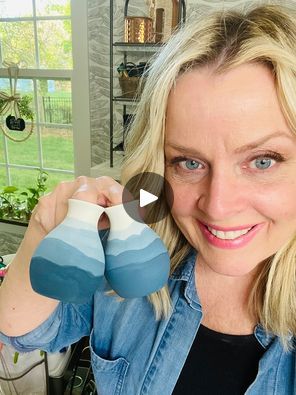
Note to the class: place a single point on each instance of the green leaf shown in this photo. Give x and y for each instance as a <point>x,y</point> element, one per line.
<point>20,205</point>
<point>10,189</point>
<point>32,190</point>
<point>24,106</point>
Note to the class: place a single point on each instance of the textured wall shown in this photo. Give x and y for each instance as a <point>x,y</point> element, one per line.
<point>98,15</point>
<point>99,49</point>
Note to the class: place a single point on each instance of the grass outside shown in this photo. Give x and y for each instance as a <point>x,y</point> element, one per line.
<point>27,178</point>
<point>57,145</point>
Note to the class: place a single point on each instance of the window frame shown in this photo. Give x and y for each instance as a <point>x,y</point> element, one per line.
<point>78,77</point>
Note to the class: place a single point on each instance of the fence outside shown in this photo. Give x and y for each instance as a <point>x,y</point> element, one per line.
<point>57,109</point>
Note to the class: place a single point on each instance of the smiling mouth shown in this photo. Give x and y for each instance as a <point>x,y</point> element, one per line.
<point>229,235</point>
<point>230,238</point>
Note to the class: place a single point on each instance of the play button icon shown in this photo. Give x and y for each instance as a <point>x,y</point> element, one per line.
<point>147,197</point>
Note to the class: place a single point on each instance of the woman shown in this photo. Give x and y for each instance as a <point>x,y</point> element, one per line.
<point>217,118</point>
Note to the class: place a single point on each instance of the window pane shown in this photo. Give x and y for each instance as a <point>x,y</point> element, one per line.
<point>16,8</point>
<point>23,178</point>
<point>25,90</point>
<point>3,180</point>
<point>55,105</point>
<point>55,101</point>
<point>26,152</point>
<point>53,7</point>
<point>57,147</point>
<point>55,178</point>
<point>55,45</point>
<point>17,43</point>
<point>23,86</point>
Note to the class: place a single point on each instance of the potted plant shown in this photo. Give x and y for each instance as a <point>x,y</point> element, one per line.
<point>17,205</point>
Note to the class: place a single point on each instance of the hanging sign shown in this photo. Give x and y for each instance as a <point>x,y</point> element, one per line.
<point>15,109</point>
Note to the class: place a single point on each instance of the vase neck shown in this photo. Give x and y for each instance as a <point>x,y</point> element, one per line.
<point>119,217</point>
<point>84,211</point>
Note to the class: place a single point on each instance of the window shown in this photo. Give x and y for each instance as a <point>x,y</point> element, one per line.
<point>37,34</point>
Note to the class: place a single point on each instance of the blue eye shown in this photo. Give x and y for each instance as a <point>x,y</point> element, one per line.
<point>264,163</point>
<point>192,164</point>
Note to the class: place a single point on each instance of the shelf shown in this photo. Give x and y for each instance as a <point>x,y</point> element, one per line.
<point>137,47</point>
<point>126,50</point>
<point>126,100</point>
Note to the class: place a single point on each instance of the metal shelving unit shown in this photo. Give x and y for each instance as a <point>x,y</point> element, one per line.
<point>125,49</point>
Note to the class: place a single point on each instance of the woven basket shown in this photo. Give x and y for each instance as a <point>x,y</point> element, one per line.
<point>130,85</point>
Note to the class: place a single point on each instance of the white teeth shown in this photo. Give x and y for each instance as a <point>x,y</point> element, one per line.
<point>228,235</point>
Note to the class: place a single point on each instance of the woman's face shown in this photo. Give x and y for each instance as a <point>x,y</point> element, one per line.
<point>231,162</point>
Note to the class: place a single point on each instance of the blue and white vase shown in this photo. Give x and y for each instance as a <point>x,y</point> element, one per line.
<point>69,263</point>
<point>136,260</point>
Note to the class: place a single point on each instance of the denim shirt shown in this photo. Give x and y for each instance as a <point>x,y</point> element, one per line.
<point>133,354</point>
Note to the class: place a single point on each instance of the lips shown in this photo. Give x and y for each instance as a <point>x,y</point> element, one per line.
<point>229,238</point>
<point>228,229</point>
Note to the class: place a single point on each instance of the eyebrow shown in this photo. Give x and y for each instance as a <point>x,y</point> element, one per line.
<point>244,148</point>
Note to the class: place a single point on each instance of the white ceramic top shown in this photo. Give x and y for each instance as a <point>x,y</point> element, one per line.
<point>84,211</point>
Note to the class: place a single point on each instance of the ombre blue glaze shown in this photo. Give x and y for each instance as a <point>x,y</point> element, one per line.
<point>69,263</point>
<point>136,260</point>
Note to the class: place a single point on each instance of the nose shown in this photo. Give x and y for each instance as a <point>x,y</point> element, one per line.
<point>223,195</point>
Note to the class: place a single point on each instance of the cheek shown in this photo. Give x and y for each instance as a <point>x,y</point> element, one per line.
<point>277,202</point>
<point>184,202</point>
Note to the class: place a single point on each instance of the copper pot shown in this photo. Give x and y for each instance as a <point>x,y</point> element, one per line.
<point>138,29</point>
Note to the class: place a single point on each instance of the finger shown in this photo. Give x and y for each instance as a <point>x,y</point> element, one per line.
<point>82,188</point>
<point>87,192</point>
<point>110,196</point>
<point>109,191</point>
<point>43,214</point>
<point>62,193</point>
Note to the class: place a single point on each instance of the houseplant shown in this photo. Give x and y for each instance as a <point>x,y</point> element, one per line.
<point>17,204</point>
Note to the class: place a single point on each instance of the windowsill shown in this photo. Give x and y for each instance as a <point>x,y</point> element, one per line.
<point>13,222</point>
<point>16,227</point>
<point>104,169</point>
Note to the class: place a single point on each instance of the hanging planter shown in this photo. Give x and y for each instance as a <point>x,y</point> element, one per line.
<point>16,110</point>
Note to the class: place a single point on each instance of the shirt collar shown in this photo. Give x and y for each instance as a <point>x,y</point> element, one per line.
<point>185,271</point>
<point>264,338</point>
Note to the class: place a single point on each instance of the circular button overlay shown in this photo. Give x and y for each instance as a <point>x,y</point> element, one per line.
<point>147,197</point>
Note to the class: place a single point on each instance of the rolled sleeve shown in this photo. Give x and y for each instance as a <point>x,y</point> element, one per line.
<point>66,325</point>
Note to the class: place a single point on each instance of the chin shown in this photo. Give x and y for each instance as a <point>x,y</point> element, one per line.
<point>233,269</point>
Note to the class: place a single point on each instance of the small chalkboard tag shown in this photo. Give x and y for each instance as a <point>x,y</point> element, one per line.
<point>15,124</point>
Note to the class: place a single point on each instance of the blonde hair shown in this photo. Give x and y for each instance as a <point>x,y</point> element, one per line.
<point>265,34</point>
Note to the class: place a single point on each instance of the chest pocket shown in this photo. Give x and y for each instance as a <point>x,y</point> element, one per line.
<point>109,374</point>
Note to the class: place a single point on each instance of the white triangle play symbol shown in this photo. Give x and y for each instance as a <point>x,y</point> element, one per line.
<point>146,198</point>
